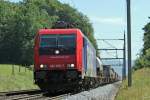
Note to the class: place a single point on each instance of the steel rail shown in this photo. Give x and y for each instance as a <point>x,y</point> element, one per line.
<point>59,97</point>
<point>8,93</point>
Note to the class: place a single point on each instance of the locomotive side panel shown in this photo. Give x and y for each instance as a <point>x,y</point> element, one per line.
<point>90,68</point>
<point>79,53</point>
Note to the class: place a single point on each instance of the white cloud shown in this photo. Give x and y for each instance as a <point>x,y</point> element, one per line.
<point>108,20</point>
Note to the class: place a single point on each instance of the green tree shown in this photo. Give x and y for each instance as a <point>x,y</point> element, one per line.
<point>146,37</point>
<point>9,36</point>
<point>19,23</point>
<point>144,59</point>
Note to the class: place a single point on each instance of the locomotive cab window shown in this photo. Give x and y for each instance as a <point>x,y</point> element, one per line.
<point>65,43</point>
<point>48,41</point>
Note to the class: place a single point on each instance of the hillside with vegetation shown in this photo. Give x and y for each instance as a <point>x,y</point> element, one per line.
<point>144,58</point>
<point>19,23</point>
<point>140,89</point>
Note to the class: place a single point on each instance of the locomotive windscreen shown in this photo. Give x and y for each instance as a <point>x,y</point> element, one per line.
<point>48,41</point>
<point>64,43</point>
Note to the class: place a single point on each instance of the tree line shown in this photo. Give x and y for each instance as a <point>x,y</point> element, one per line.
<point>19,23</point>
<point>144,57</point>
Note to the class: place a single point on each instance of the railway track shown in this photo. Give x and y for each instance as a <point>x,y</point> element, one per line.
<point>31,95</point>
<point>19,92</point>
<point>35,95</point>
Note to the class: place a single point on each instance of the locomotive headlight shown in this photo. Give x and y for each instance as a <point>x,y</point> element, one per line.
<point>41,66</point>
<point>57,52</point>
<point>72,65</point>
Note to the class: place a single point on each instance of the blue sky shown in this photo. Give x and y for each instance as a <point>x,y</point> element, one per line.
<point>109,19</point>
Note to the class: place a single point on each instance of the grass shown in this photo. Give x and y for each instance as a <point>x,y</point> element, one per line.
<point>140,89</point>
<point>18,81</point>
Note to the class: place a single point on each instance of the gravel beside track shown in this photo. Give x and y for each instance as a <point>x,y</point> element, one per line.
<point>106,92</point>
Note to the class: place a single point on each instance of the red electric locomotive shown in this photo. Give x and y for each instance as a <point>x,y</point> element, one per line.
<point>63,58</point>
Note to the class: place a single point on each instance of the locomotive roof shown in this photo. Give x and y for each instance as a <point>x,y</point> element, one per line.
<point>58,31</point>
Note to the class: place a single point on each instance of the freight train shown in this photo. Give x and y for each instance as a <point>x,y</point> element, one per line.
<point>65,59</point>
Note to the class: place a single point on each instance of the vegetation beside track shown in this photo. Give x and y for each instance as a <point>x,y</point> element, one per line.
<point>140,89</point>
<point>10,81</point>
